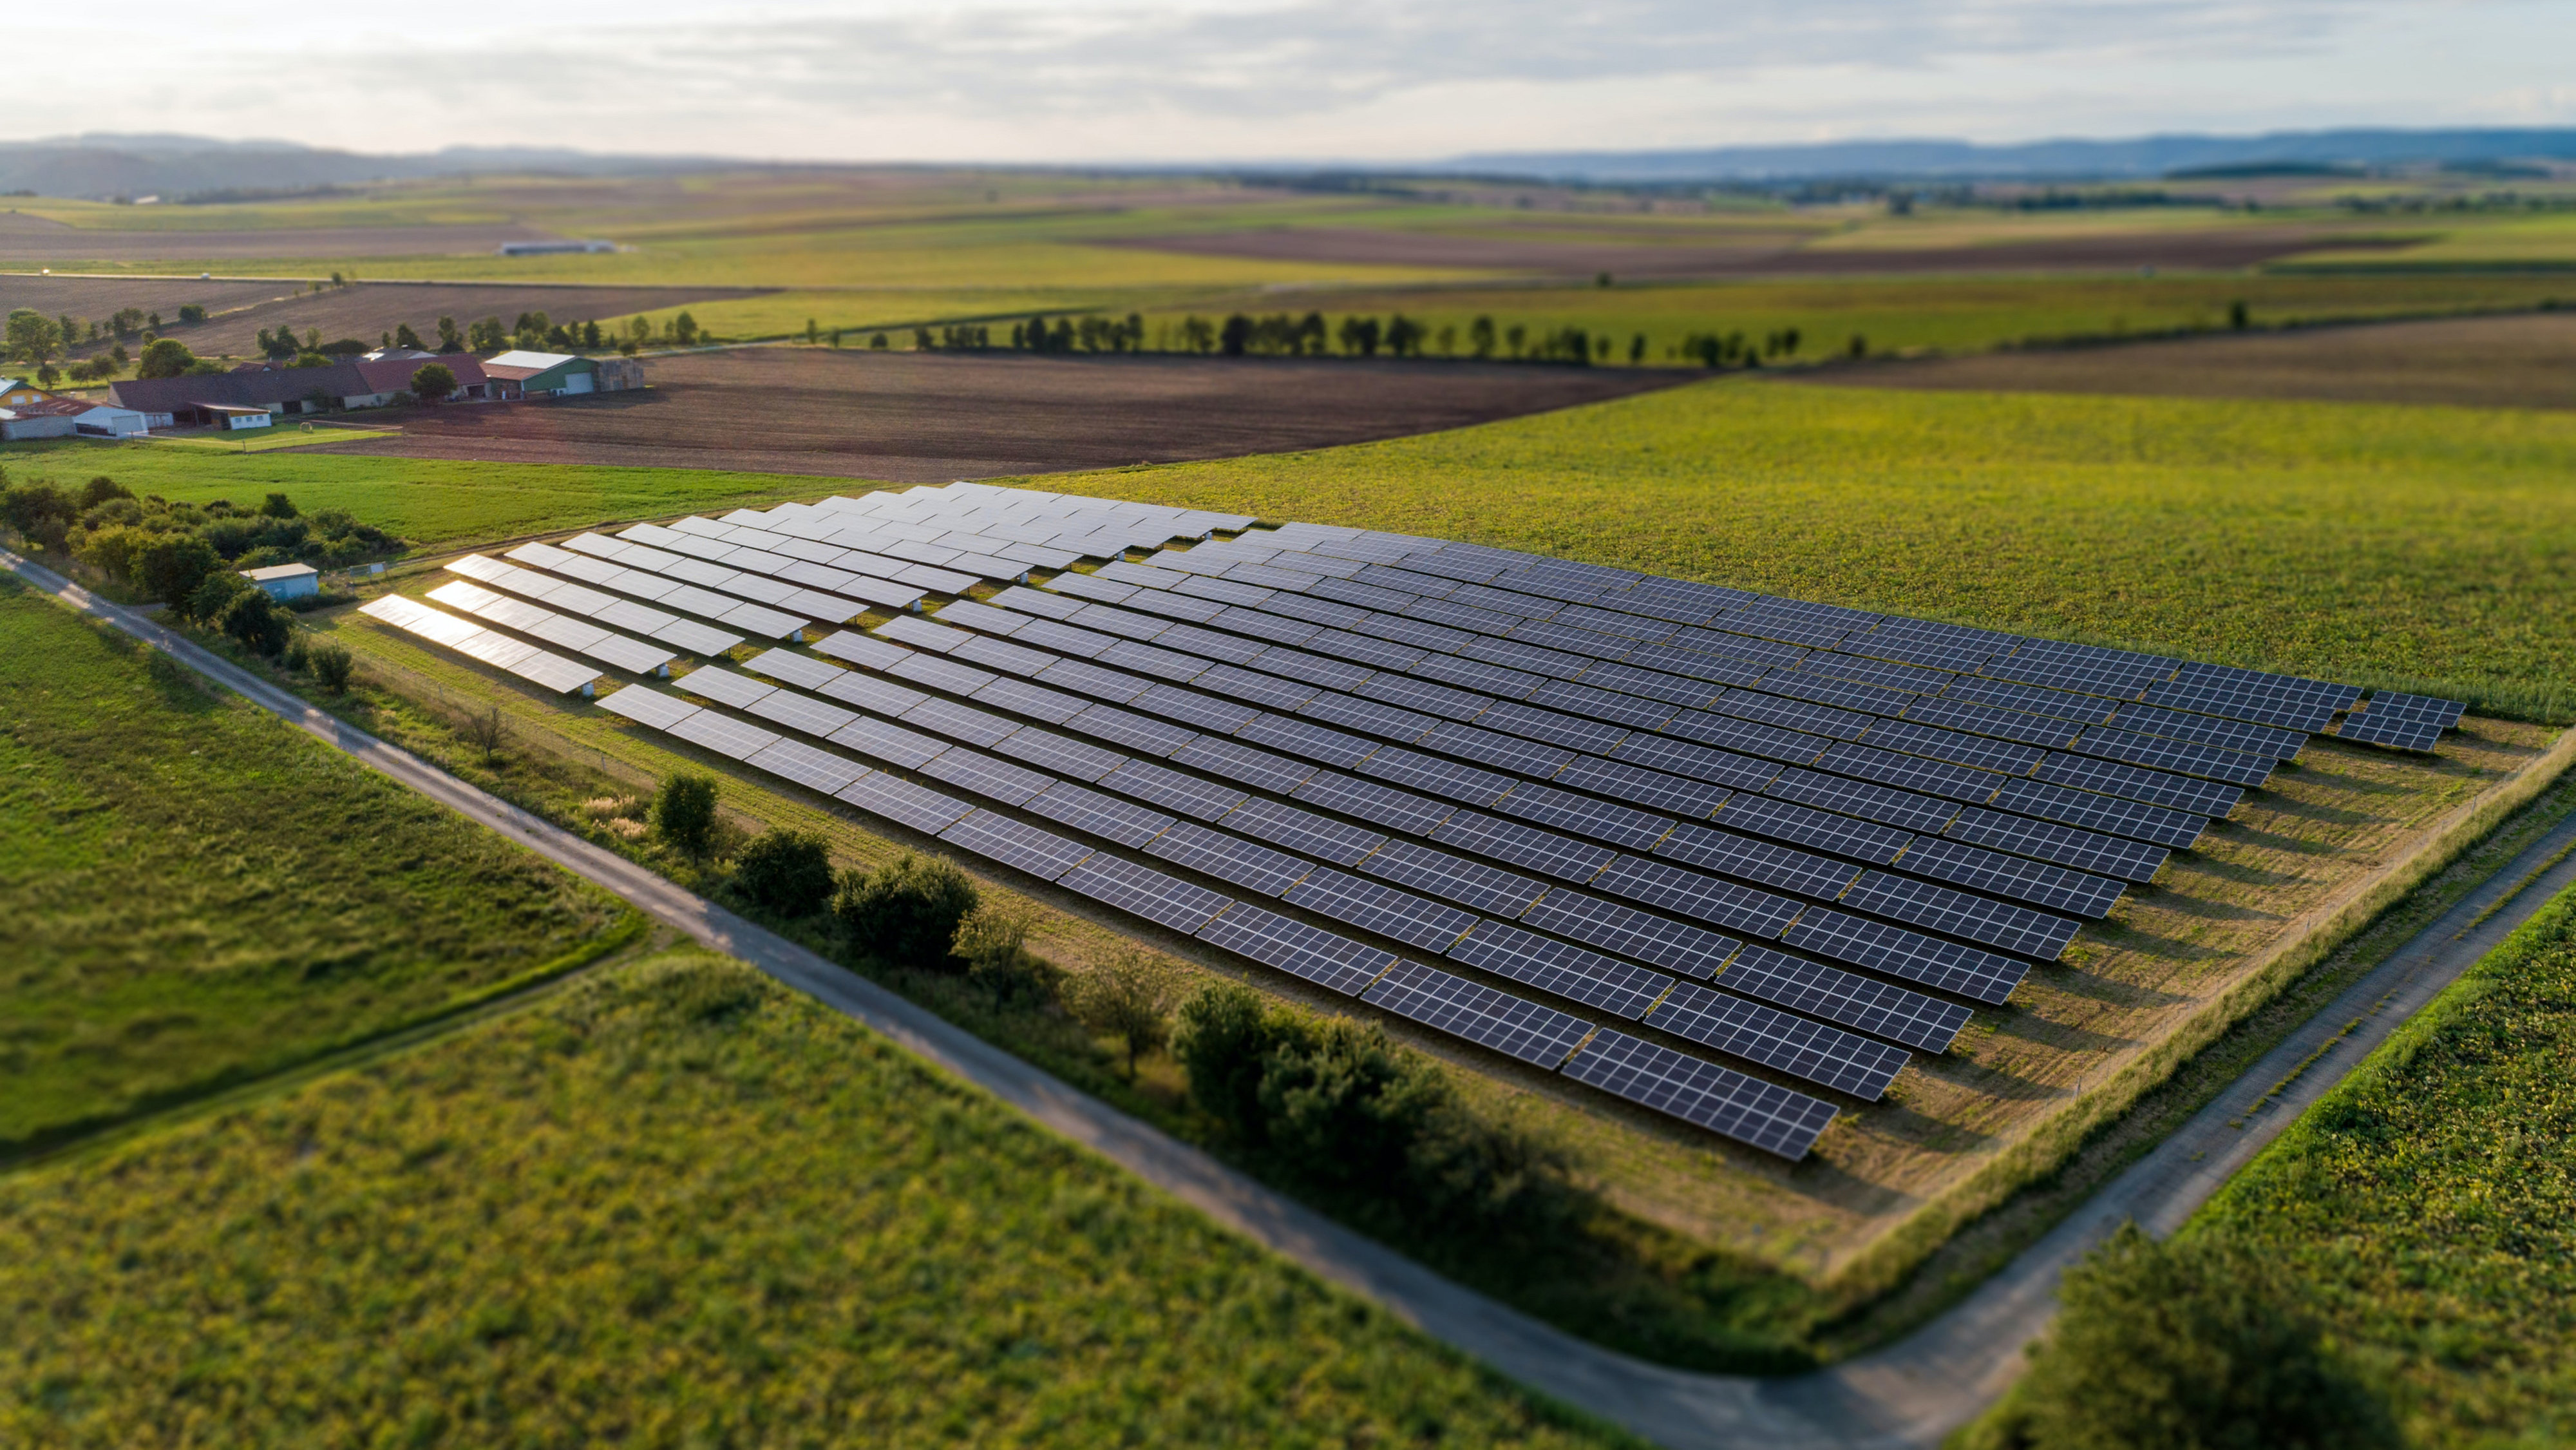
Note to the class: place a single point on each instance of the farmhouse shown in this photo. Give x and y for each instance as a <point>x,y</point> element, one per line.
<point>542,374</point>
<point>286,581</point>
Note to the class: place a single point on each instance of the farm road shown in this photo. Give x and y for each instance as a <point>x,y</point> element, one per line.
<point>1903,1397</point>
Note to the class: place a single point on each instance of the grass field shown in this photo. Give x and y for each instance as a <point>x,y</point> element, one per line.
<point>1906,314</point>
<point>2428,1203</point>
<point>2351,542</point>
<point>674,1206</point>
<point>271,439</point>
<point>193,893</point>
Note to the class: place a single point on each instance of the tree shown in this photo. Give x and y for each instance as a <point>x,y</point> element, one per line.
<point>1480,337</point>
<point>906,911</point>
<point>33,337</point>
<point>1129,998</point>
<point>993,942</point>
<point>878,342</point>
<point>2237,317</point>
<point>191,314</point>
<point>277,506</point>
<point>2197,1345</point>
<point>1403,336</point>
<point>789,872</point>
<point>813,332</point>
<point>449,339</point>
<point>172,566</point>
<point>487,731</point>
<point>1636,349</point>
<point>211,598</point>
<point>405,337</point>
<point>254,619</point>
<point>433,382</point>
<point>1859,346</point>
<point>1448,343</point>
<point>1235,335</point>
<point>1360,335</point>
<point>1222,1038</point>
<point>684,811</point>
<point>1516,336</point>
<point>685,328</point>
<point>1197,335</point>
<point>332,666</point>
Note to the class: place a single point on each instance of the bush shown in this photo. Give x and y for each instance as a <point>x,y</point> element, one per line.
<point>174,566</point>
<point>254,619</point>
<point>2188,1346</point>
<point>207,601</point>
<point>166,358</point>
<point>994,945</point>
<point>907,911</point>
<point>1127,997</point>
<point>1336,1106</point>
<point>685,812</point>
<point>788,872</point>
<point>332,666</point>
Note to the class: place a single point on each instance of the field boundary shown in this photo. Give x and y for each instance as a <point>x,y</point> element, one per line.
<point>1907,1395</point>
<point>2303,943</point>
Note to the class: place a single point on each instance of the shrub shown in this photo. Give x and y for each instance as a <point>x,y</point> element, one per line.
<point>174,566</point>
<point>2188,1346</point>
<point>254,619</point>
<point>1128,997</point>
<point>906,911</point>
<point>685,812</point>
<point>206,603</point>
<point>166,358</point>
<point>332,666</point>
<point>1225,1035</point>
<point>788,872</point>
<point>486,731</point>
<point>994,945</point>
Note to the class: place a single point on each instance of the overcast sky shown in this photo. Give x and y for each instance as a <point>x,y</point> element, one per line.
<point>1189,80</point>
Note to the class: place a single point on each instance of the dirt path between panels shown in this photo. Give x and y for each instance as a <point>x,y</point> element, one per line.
<point>933,417</point>
<point>1906,1396</point>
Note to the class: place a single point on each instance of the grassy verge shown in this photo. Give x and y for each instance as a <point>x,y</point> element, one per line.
<point>269,440</point>
<point>675,1205</point>
<point>2428,1204</point>
<point>193,894</point>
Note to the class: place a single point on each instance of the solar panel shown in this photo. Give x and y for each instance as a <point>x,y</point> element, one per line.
<point>2068,806</point>
<point>903,802</point>
<point>1765,862</point>
<point>1777,1040</point>
<point>801,713</point>
<point>2057,888</point>
<point>1453,878</point>
<point>1196,710</point>
<point>2263,740</point>
<point>1351,712</point>
<point>1002,655</point>
<point>1016,844</point>
<point>1782,821</point>
<point>994,779</point>
<point>1701,898</point>
<point>2234,767</point>
<point>1173,791</point>
<point>1504,752</point>
<point>2401,722</point>
<point>1567,811</point>
<point>1956,913</point>
<point>1834,995</point>
<point>1901,952</point>
<point>1448,779</point>
<point>1792,714</point>
<point>1093,681</point>
<point>1121,727</point>
<point>1377,804</point>
<point>2129,782</point>
<point>726,737</point>
<point>1477,1013</point>
<point>1106,816</point>
<point>888,743</point>
<point>942,674</point>
<point>1565,971</point>
<point>1723,1101</point>
<point>647,707</point>
<point>1303,832</point>
<point>961,722</point>
<point>1211,853</point>
<point>1979,719</point>
<point>1374,907</point>
<point>1143,891</point>
<point>1333,962</point>
<point>1700,762</point>
<point>2068,846</point>
<point>1492,679</point>
<point>1231,760</point>
<point>1546,852</point>
<point>1656,940</point>
<point>1268,691</point>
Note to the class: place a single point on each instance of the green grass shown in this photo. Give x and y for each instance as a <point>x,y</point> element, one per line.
<point>431,502</point>
<point>192,893</point>
<point>1902,314</point>
<point>2429,1203</point>
<point>270,439</point>
<point>2369,543</point>
<point>676,1205</point>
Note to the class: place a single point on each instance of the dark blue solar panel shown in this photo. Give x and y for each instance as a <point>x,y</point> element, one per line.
<point>1565,971</point>
<point>1698,896</point>
<point>1233,761</point>
<point>1452,878</point>
<point>1375,907</point>
<point>1546,852</point>
<point>1142,891</point>
<point>1303,832</point>
<point>1766,862</point>
<point>1172,790</point>
<point>1394,809</point>
<point>1334,962</point>
<point>1227,858</point>
<point>1108,817</point>
<point>1724,1101</point>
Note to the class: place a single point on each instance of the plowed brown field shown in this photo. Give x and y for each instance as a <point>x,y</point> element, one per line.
<point>919,418</point>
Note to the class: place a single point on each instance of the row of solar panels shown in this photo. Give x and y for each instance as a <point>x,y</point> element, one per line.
<point>2412,722</point>
<point>1734,1104</point>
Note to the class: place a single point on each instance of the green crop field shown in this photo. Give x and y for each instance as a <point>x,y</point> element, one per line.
<point>192,893</point>
<point>675,1205</point>
<point>2356,542</point>
<point>1901,314</point>
<point>2429,1203</point>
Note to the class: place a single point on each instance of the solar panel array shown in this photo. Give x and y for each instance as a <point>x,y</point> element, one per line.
<point>475,642</point>
<point>1771,841</point>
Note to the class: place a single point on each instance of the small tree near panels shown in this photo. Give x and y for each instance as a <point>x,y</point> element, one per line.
<point>906,911</point>
<point>789,872</point>
<point>684,811</point>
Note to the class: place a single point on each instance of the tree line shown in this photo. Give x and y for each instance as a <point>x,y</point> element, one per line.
<point>1354,335</point>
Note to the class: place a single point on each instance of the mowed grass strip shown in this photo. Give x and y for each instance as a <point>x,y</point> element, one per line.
<point>2430,1202</point>
<point>676,1205</point>
<point>2377,544</point>
<point>192,893</point>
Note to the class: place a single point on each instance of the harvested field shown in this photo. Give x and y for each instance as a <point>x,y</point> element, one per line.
<point>2205,250</point>
<point>29,239</point>
<point>2482,362</point>
<point>363,310</point>
<point>917,418</point>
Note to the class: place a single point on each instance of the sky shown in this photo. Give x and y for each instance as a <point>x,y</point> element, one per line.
<point>1119,81</point>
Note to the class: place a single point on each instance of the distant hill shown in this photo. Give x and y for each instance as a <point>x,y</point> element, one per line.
<point>103,165</point>
<point>2143,156</point>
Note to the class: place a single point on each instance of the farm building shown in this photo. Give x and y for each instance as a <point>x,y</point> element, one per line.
<point>542,374</point>
<point>40,417</point>
<point>230,418</point>
<point>390,375</point>
<point>193,400</point>
<point>286,581</point>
